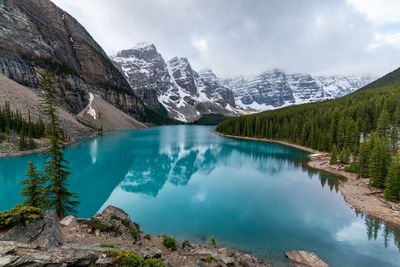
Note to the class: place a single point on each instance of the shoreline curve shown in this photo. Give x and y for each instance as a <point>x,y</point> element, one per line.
<point>355,191</point>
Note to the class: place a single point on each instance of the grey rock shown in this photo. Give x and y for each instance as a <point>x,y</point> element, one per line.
<point>224,251</point>
<point>119,221</point>
<point>185,244</point>
<point>306,258</point>
<point>112,213</point>
<point>69,221</point>
<point>8,260</point>
<point>150,253</point>
<point>225,259</point>
<point>104,262</point>
<point>44,232</point>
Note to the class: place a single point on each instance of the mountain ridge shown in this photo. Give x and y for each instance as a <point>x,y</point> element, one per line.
<point>172,86</point>
<point>275,89</point>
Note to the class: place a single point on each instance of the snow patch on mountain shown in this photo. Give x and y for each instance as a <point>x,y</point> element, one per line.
<point>91,110</point>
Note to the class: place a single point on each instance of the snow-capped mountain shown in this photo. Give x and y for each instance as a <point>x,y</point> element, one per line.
<point>274,89</point>
<point>173,86</point>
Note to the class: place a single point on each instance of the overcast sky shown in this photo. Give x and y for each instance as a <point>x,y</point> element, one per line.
<point>244,37</point>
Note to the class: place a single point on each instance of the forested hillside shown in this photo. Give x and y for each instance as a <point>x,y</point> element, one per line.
<point>360,129</point>
<point>13,123</point>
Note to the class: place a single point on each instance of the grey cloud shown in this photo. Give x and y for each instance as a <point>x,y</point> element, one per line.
<point>242,36</point>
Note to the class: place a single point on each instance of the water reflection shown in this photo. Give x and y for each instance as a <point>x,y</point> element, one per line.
<point>176,163</point>
<point>93,150</point>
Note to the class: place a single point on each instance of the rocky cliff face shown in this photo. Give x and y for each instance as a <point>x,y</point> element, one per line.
<point>274,89</point>
<point>37,35</point>
<point>172,86</point>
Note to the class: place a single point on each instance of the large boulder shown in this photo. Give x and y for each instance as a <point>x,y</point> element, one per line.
<point>69,221</point>
<point>112,213</point>
<point>305,258</point>
<point>116,221</point>
<point>44,232</point>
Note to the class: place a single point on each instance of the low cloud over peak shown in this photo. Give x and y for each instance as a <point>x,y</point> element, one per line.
<point>242,37</point>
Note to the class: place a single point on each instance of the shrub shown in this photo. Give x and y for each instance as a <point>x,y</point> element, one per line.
<point>352,168</point>
<point>210,259</point>
<point>147,236</point>
<point>134,232</point>
<point>126,258</point>
<point>107,245</point>
<point>131,259</point>
<point>99,224</point>
<point>137,225</point>
<point>155,263</point>
<point>213,242</point>
<point>19,214</point>
<point>170,242</point>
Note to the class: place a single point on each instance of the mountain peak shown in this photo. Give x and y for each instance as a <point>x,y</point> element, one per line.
<point>208,75</point>
<point>179,60</point>
<point>145,45</point>
<point>145,51</point>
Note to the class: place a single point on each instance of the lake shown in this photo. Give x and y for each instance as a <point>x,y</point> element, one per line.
<point>186,182</point>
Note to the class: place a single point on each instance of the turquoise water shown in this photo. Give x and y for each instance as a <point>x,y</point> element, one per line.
<point>186,182</point>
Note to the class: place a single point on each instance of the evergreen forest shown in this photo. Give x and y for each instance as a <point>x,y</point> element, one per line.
<point>13,122</point>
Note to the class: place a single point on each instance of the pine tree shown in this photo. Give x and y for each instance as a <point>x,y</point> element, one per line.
<point>22,140</point>
<point>383,122</point>
<point>364,159</point>
<point>34,187</point>
<point>392,190</point>
<point>344,156</point>
<point>56,167</point>
<point>379,163</point>
<point>333,155</point>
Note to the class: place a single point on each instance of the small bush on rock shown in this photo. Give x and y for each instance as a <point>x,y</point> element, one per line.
<point>99,224</point>
<point>137,226</point>
<point>210,259</point>
<point>155,263</point>
<point>19,214</point>
<point>132,259</point>
<point>147,236</point>
<point>170,243</point>
<point>213,242</point>
<point>134,230</point>
<point>125,258</point>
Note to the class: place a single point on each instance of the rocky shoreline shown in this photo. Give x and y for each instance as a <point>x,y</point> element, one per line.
<point>112,239</point>
<point>362,197</point>
<point>101,240</point>
<point>355,191</point>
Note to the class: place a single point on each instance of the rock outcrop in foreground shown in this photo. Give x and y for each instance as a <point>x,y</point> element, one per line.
<point>305,258</point>
<point>96,241</point>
